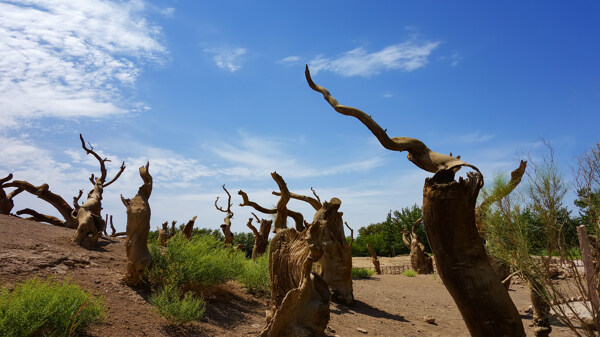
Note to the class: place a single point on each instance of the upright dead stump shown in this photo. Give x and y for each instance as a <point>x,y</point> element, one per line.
<point>461,259</point>
<point>6,200</point>
<point>261,237</point>
<point>163,234</point>
<point>188,228</point>
<point>419,260</point>
<point>226,227</point>
<point>138,226</point>
<point>299,304</point>
<point>375,260</point>
<point>449,216</point>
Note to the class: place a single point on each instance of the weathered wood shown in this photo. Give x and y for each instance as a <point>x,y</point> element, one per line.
<point>588,265</point>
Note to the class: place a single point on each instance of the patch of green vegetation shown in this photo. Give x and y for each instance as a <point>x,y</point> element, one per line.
<point>47,308</point>
<point>361,273</point>
<point>255,275</point>
<point>175,308</point>
<point>200,262</point>
<point>409,273</point>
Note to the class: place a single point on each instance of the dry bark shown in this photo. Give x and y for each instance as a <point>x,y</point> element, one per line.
<point>375,260</point>
<point>163,234</point>
<point>85,218</point>
<point>188,228</point>
<point>449,215</point>
<point>281,204</point>
<point>299,304</point>
<point>138,226</point>
<point>261,237</point>
<point>6,200</point>
<point>461,259</point>
<point>419,260</point>
<point>226,227</point>
<point>173,231</point>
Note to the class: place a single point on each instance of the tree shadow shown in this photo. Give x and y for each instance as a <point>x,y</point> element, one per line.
<point>365,309</point>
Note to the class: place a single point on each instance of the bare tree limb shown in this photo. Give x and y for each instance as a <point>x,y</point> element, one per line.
<point>42,217</point>
<point>351,235</point>
<point>315,203</point>
<point>76,200</point>
<point>418,153</point>
<point>297,216</point>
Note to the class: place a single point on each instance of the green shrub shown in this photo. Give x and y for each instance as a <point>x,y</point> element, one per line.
<point>47,308</point>
<point>362,273</point>
<point>255,275</point>
<point>409,273</point>
<point>202,261</point>
<point>175,308</point>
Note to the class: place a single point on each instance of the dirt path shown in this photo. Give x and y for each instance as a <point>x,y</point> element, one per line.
<point>387,305</point>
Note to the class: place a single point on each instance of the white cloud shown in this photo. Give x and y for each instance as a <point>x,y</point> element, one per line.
<point>68,59</point>
<point>290,60</point>
<point>228,58</point>
<point>406,56</point>
<point>474,137</point>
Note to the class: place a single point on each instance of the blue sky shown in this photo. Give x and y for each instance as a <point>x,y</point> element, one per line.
<point>214,93</point>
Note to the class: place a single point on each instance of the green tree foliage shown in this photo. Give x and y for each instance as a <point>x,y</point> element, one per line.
<point>407,216</point>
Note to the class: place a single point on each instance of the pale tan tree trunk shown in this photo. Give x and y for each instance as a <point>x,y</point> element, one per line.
<point>261,237</point>
<point>375,260</point>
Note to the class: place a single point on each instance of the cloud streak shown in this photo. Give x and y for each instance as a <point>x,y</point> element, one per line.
<point>406,56</point>
<point>228,58</point>
<point>69,59</point>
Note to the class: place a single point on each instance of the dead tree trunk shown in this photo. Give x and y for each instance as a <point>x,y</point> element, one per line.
<point>163,234</point>
<point>375,260</point>
<point>85,218</point>
<point>419,260</point>
<point>461,259</point>
<point>226,227</point>
<point>188,228</point>
<point>261,237</point>
<point>541,309</point>
<point>138,226</point>
<point>449,215</point>
<point>173,231</point>
<point>299,304</point>
<point>6,200</point>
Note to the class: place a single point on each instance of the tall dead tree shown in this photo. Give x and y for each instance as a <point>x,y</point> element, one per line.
<point>163,233</point>
<point>187,229</point>
<point>226,227</point>
<point>6,200</point>
<point>138,226</point>
<point>449,216</point>
<point>419,260</point>
<point>261,236</point>
<point>85,218</point>
<point>281,206</point>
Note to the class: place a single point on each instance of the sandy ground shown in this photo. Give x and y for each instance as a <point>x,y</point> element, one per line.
<point>387,305</point>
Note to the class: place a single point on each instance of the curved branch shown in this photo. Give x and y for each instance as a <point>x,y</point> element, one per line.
<point>42,217</point>
<point>418,153</point>
<point>297,216</point>
<point>351,235</point>
<point>76,200</point>
<point>121,169</point>
<point>316,204</point>
<point>100,160</point>
<point>7,178</point>
<point>14,193</point>
<point>515,179</point>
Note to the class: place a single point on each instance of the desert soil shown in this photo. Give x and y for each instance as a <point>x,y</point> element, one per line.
<point>387,305</point>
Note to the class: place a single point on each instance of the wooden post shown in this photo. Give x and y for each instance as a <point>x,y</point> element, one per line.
<point>588,265</point>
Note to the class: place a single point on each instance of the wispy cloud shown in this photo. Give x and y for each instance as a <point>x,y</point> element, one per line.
<point>406,56</point>
<point>228,58</point>
<point>290,60</point>
<point>474,137</point>
<point>69,59</point>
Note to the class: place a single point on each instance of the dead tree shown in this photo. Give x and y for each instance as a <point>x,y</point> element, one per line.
<point>335,267</point>
<point>419,260</point>
<point>449,216</point>
<point>85,218</point>
<point>114,233</point>
<point>188,228</point>
<point>138,226</point>
<point>226,227</point>
<point>173,231</point>
<point>375,260</point>
<point>163,233</point>
<point>351,237</point>
<point>261,237</point>
<point>6,200</point>
<point>281,206</point>
<point>299,304</point>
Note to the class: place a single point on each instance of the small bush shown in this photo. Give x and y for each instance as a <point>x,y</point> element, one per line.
<point>173,307</point>
<point>362,273</point>
<point>202,261</point>
<point>255,275</point>
<point>409,273</point>
<point>47,308</point>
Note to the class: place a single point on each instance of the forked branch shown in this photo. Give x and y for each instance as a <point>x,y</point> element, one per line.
<point>315,203</point>
<point>102,178</point>
<point>418,152</point>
